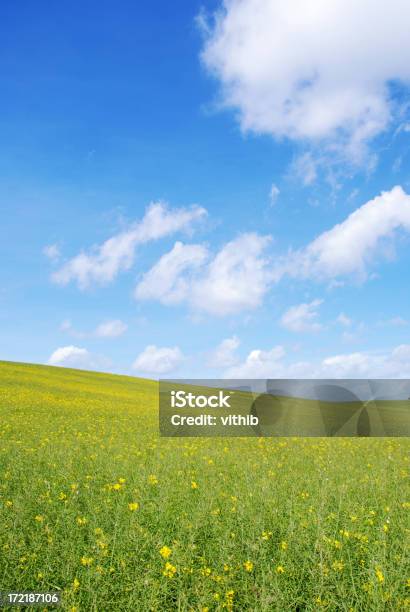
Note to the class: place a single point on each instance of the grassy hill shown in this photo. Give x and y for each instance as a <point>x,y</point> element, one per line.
<point>95,504</point>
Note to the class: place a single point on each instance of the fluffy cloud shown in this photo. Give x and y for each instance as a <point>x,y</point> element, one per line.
<point>76,357</point>
<point>270,364</point>
<point>156,360</point>
<point>302,318</point>
<point>102,263</point>
<point>259,364</point>
<point>351,246</point>
<point>111,329</point>
<point>225,353</point>
<point>169,279</point>
<point>310,70</point>
<point>235,279</point>
<point>107,329</point>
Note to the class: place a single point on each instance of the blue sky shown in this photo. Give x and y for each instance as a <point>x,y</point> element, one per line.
<point>204,126</point>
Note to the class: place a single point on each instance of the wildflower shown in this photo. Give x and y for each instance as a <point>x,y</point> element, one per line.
<point>117,486</point>
<point>152,479</point>
<point>379,575</point>
<point>86,561</point>
<point>194,485</point>
<point>338,566</point>
<point>76,584</point>
<point>9,503</point>
<point>280,569</point>
<point>169,570</point>
<point>266,535</point>
<point>40,575</point>
<point>39,518</point>
<point>133,506</point>
<point>121,480</point>
<point>165,552</point>
<point>284,545</point>
<point>62,496</point>
<point>81,520</point>
<point>248,565</point>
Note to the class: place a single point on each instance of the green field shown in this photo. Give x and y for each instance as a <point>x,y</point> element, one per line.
<point>95,504</point>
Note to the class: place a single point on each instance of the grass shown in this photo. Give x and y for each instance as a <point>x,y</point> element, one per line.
<point>95,504</point>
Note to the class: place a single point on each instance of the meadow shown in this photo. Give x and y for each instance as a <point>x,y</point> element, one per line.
<point>95,504</point>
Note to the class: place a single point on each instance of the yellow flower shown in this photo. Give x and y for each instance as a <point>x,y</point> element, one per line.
<point>280,569</point>
<point>152,479</point>
<point>98,531</point>
<point>9,503</point>
<point>284,545</point>
<point>40,575</point>
<point>169,570</point>
<point>121,480</point>
<point>379,575</point>
<point>86,561</point>
<point>81,520</point>
<point>62,496</point>
<point>76,584</point>
<point>338,566</point>
<point>165,552</point>
<point>194,485</point>
<point>266,535</point>
<point>117,486</point>
<point>133,506</point>
<point>39,518</point>
<point>248,565</point>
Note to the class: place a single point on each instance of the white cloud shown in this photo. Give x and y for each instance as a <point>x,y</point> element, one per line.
<point>351,246</point>
<point>106,329</point>
<point>270,364</point>
<point>235,279</point>
<point>313,70</point>
<point>224,355</point>
<point>302,318</point>
<point>52,252</point>
<point>273,194</point>
<point>76,357</point>
<point>259,364</point>
<point>344,320</point>
<point>103,262</point>
<point>156,360</point>
<point>169,279</point>
<point>111,329</point>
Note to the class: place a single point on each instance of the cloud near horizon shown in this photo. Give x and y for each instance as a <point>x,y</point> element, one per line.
<point>362,364</point>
